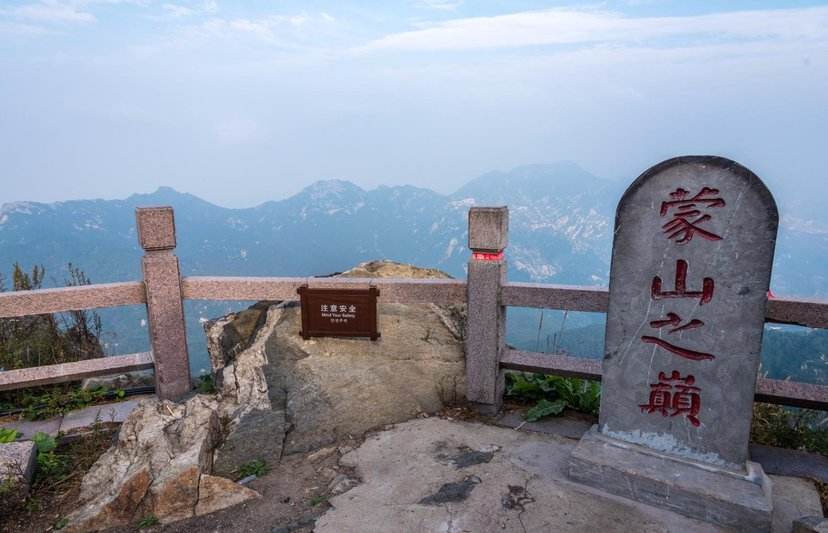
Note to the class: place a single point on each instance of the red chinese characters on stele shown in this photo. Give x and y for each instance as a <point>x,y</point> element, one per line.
<point>673,396</point>
<point>687,217</point>
<point>677,395</point>
<point>674,320</point>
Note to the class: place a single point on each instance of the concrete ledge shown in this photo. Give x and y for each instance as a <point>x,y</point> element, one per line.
<point>699,491</point>
<point>17,466</point>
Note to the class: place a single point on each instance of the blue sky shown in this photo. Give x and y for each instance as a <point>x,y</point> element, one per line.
<point>245,102</point>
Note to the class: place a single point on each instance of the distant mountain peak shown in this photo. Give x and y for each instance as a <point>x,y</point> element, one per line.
<point>165,195</point>
<point>325,189</point>
<point>561,178</point>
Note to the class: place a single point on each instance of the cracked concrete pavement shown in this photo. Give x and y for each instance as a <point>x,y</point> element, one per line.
<point>439,475</point>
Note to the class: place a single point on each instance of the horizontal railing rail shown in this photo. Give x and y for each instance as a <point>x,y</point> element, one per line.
<point>784,392</point>
<point>51,374</point>
<point>399,290</point>
<point>793,311</point>
<point>163,289</point>
<point>803,312</point>
<point>47,301</point>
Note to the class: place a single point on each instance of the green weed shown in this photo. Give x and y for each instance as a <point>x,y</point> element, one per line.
<point>256,468</point>
<point>147,521</point>
<point>50,402</point>
<point>206,384</point>
<point>553,394</point>
<point>8,435</point>
<point>788,427</point>
<point>317,500</point>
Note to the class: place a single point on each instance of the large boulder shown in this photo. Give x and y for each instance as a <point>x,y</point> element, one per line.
<point>284,394</point>
<point>159,466</point>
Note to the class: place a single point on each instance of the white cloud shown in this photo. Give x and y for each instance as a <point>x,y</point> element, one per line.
<point>440,5</point>
<point>210,6</point>
<point>56,11</point>
<point>14,28</point>
<point>53,11</point>
<point>568,26</point>
<point>176,10</point>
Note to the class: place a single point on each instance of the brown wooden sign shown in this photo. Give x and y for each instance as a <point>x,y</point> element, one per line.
<point>339,312</point>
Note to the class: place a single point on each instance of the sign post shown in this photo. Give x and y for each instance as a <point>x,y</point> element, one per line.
<point>691,265</point>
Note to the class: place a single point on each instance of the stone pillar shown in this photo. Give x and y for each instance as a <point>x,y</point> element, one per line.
<point>485,328</point>
<point>691,267</point>
<point>162,279</point>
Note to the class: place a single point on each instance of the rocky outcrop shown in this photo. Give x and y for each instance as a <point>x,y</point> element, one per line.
<point>278,393</point>
<point>293,395</point>
<point>159,466</point>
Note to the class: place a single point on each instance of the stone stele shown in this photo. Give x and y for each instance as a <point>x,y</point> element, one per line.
<point>691,265</point>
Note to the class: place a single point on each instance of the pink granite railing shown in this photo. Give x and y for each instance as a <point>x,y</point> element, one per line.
<point>487,293</point>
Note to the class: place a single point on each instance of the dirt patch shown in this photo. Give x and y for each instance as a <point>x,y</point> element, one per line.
<point>294,494</point>
<point>55,495</point>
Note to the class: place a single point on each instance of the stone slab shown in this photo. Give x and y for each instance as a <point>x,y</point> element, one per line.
<point>28,429</point>
<point>810,524</point>
<point>693,489</point>
<point>74,421</point>
<point>412,481</point>
<point>17,463</point>
<point>794,497</point>
<point>786,462</point>
<point>686,309</point>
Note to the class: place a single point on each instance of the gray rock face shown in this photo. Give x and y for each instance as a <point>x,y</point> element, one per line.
<point>291,395</point>
<point>691,267</point>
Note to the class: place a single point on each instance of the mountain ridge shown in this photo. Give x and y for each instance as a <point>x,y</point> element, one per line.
<point>561,221</point>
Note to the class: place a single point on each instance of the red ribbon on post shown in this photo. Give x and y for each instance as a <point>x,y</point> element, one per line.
<point>483,256</point>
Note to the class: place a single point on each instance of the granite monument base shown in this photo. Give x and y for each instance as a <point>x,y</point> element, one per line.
<point>706,492</point>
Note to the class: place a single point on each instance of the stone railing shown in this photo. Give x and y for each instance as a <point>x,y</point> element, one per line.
<point>486,292</point>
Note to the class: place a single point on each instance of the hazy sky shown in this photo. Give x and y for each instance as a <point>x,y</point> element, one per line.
<point>242,102</point>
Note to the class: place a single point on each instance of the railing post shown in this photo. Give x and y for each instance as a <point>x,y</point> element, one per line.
<point>486,324</point>
<point>162,279</point>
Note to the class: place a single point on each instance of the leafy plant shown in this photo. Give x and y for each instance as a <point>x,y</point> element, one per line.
<point>49,463</point>
<point>787,427</point>
<point>147,521</point>
<point>8,435</point>
<point>48,403</point>
<point>545,408</point>
<point>318,499</point>
<point>553,394</point>
<point>61,523</point>
<point>257,468</point>
<point>45,443</point>
<point>206,384</point>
